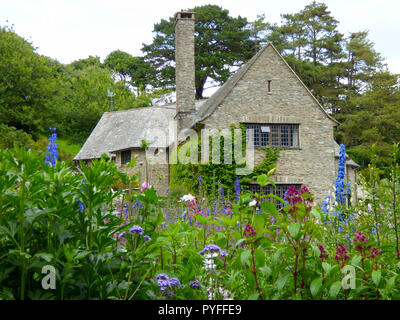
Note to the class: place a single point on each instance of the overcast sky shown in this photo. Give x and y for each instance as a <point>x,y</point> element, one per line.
<point>68,30</point>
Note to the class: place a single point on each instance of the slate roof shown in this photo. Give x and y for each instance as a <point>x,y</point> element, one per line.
<point>119,130</point>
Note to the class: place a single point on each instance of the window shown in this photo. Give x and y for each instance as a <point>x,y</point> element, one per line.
<point>277,135</point>
<point>125,157</point>
<point>269,86</point>
<point>279,191</point>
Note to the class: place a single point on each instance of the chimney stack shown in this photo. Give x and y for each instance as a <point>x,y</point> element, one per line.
<point>184,74</point>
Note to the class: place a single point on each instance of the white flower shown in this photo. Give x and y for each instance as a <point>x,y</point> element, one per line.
<point>188,197</point>
<point>253,203</point>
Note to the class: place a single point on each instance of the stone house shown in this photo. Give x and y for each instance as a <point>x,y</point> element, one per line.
<point>265,95</point>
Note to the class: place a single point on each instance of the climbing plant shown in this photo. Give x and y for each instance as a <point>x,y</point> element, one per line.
<point>211,176</point>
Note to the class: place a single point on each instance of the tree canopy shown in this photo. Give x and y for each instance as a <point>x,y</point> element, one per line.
<point>222,42</point>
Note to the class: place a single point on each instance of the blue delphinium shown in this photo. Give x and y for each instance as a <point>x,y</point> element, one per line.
<point>237,189</point>
<point>339,185</point>
<point>52,153</point>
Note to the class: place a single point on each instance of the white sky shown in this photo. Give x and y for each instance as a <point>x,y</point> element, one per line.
<point>68,30</point>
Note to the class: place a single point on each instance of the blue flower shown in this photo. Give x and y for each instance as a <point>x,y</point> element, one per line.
<point>194,284</point>
<point>174,282</point>
<point>213,248</point>
<point>121,235</point>
<point>162,276</point>
<point>136,229</point>
<point>146,237</point>
<point>237,189</point>
<point>52,153</point>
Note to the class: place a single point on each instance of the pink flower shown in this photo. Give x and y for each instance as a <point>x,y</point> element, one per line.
<point>145,186</point>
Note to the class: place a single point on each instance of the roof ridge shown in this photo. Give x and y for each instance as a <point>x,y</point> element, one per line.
<point>234,79</point>
<point>238,74</point>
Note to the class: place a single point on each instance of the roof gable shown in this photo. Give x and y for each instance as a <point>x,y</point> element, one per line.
<point>208,108</point>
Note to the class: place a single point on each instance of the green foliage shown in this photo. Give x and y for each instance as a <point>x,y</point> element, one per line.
<point>55,216</point>
<point>28,82</point>
<point>222,174</point>
<point>10,137</point>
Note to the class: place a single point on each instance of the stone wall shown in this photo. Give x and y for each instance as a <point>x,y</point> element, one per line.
<point>313,162</point>
<point>149,172</point>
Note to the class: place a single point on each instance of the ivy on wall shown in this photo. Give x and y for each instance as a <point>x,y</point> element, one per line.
<point>212,175</point>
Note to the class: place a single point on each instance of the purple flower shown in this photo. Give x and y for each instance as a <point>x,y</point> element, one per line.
<point>375,252</point>
<point>341,255</point>
<point>174,282</point>
<point>323,252</point>
<point>249,231</point>
<point>164,284</point>
<point>121,235</point>
<point>213,248</point>
<point>210,248</point>
<point>136,229</point>
<point>162,276</point>
<point>194,284</point>
<point>147,238</point>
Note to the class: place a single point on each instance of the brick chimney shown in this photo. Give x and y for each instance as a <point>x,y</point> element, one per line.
<point>184,74</point>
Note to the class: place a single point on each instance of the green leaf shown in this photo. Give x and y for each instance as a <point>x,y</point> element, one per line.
<point>282,279</point>
<point>245,256</point>
<point>356,261</point>
<point>259,255</point>
<point>269,207</point>
<point>316,214</point>
<point>45,256</point>
<point>259,223</point>
<point>376,277</point>
<point>334,289</point>
<point>266,270</point>
<point>276,257</point>
<point>262,180</point>
<point>253,296</point>
<point>294,229</point>
<point>390,283</point>
<point>327,267</point>
<point>315,286</point>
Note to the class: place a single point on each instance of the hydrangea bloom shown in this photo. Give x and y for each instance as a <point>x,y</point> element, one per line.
<point>136,229</point>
